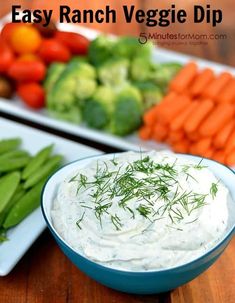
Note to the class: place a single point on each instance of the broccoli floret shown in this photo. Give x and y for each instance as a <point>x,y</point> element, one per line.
<point>100,49</point>
<point>152,94</point>
<point>76,83</point>
<point>72,115</point>
<point>164,72</point>
<point>113,72</point>
<point>129,47</point>
<point>141,68</point>
<point>98,109</point>
<point>127,111</point>
<point>53,73</point>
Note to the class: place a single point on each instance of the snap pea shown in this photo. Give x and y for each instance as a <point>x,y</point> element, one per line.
<point>28,203</point>
<point>9,144</point>
<point>8,185</point>
<point>14,154</point>
<point>11,164</point>
<point>36,162</point>
<point>19,192</point>
<point>52,164</point>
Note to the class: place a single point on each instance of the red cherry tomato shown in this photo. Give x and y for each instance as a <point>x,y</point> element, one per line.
<point>6,57</point>
<point>8,29</point>
<point>27,70</point>
<point>52,50</point>
<point>32,94</point>
<point>76,43</point>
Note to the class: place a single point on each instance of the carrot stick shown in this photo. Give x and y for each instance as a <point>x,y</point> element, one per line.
<point>145,132</point>
<point>230,144</point>
<point>181,147</point>
<point>185,76</point>
<point>219,156</point>
<point>223,135</point>
<point>221,115</point>
<point>178,122</point>
<point>194,120</point>
<point>167,101</point>
<point>227,95</point>
<point>209,153</point>
<point>193,136</point>
<point>230,158</point>
<point>175,136</point>
<point>160,132</point>
<point>149,117</point>
<point>202,146</point>
<point>216,86</point>
<point>167,113</point>
<point>202,80</point>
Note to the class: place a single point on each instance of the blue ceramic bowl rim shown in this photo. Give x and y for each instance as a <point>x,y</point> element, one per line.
<point>162,270</point>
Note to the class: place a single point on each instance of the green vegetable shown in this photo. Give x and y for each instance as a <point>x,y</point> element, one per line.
<point>37,161</point>
<point>129,47</point>
<point>14,154</point>
<point>19,192</point>
<point>151,93</point>
<point>141,68</point>
<point>8,185</point>
<point>164,73</point>
<point>76,83</point>
<point>3,237</point>
<point>101,49</point>
<point>53,73</point>
<point>113,72</point>
<point>127,112</point>
<point>98,109</point>
<point>25,205</point>
<point>46,170</point>
<point>9,144</point>
<point>7,165</point>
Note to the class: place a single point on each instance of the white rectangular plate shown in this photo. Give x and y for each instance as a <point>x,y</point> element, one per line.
<point>17,108</point>
<point>24,234</point>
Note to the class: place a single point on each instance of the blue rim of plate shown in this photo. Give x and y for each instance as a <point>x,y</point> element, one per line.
<point>175,268</point>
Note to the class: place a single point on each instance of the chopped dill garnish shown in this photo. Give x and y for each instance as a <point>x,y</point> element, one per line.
<point>80,220</point>
<point>214,189</point>
<point>199,166</point>
<point>154,185</point>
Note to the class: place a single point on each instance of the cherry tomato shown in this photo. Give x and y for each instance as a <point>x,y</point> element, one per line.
<point>52,50</point>
<point>27,70</point>
<point>8,29</point>
<point>25,39</point>
<point>32,94</point>
<point>76,43</point>
<point>6,57</point>
<point>46,31</point>
<point>29,57</point>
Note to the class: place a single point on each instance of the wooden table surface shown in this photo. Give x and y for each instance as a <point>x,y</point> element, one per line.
<point>45,275</point>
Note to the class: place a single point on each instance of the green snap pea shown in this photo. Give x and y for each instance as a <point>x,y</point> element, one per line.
<point>7,165</point>
<point>28,203</point>
<point>14,154</point>
<point>19,192</point>
<point>52,164</point>
<point>9,144</point>
<point>37,161</point>
<point>8,186</point>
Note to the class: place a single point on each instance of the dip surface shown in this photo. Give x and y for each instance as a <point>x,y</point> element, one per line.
<point>141,211</point>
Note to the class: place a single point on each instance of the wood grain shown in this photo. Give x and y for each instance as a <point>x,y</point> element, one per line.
<point>45,274</point>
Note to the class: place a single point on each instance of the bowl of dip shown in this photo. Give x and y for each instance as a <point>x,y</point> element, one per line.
<point>144,222</point>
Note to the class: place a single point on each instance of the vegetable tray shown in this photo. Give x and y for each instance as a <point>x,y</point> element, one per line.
<point>24,234</point>
<point>17,108</point>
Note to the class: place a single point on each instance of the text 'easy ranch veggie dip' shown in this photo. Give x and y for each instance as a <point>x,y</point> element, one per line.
<point>142,211</point>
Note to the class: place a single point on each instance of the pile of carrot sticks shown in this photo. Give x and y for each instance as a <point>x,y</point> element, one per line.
<point>197,116</point>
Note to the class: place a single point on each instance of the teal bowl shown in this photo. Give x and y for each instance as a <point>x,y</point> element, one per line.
<point>144,282</point>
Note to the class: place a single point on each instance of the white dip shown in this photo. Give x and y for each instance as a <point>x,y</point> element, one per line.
<point>142,211</point>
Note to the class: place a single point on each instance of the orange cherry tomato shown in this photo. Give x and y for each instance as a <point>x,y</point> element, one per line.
<point>25,39</point>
